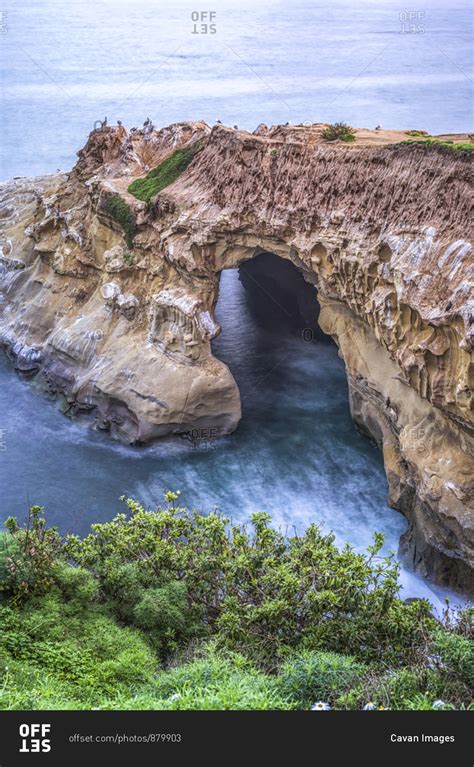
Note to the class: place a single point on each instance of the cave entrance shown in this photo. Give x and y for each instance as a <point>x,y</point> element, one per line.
<point>295,453</point>
<point>280,298</point>
<point>269,315</point>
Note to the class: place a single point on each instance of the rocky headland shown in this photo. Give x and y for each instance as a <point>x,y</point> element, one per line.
<point>109,277</point>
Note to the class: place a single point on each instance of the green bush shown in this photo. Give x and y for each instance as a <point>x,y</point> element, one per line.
<point>26,687</point>
<point>10,551</point>
<point>162,608</point>
<point>418,133</point>
<point>165,173</point>
<point>84,623</point>
<point>28,556</point>
<point>76,584</point>
<point>454,656</point>
<point>209,682</point>
<point>164,614</point>
<point>245,583</point>
<point>116,207</point>
<point>311,676</point>
<point>338,132</point>
<point>152,602</point>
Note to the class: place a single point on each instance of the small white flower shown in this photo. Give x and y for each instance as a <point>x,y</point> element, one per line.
<point>369,706</point>
<point>176,696</point>
<point>438,704</point>
<point>320,706</point>
<point>434,661</point>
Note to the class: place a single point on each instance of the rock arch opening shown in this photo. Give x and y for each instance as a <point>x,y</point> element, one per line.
<point>296,451</point>
<point>266,309</point>
<point>269,319</point>
<point>280,297</point>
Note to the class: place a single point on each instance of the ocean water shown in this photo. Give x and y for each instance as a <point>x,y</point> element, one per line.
<point>296,453</point>
<point>368,62</point>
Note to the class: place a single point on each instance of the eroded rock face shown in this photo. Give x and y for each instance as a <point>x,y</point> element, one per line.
<point>120,321</point>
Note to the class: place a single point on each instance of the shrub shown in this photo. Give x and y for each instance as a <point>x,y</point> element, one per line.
<point>26,687</point>
<point>460,621</point>
<point>116,207</point>
<point>310,676</point>
<point>28,555</point>
<point>76,584</point>
<point>10,551</point>
<point>454,655</point>
<point>291,620</point>
<point>257,591</point>
<point>418,133</point>
<point>164,614</point>
<point>165,173</point>
<point>209,682</point>
<point>338,132</point>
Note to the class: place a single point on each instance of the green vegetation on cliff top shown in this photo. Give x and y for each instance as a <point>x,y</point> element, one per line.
<point>169,609</point>
<point>466,146</point>
<point>338,131</point>
<point>165,173</point>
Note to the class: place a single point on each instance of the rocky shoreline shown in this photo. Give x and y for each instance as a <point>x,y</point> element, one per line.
<point>110,299</point>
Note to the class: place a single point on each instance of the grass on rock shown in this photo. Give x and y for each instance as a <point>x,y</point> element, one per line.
<point>165,173</point>
<point>121,212</point>
<point>430,143</point>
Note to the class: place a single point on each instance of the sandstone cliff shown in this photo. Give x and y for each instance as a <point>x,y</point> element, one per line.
<point>110,299</point>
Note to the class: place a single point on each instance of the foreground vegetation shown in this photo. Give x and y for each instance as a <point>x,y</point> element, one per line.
<point>169,609</point>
